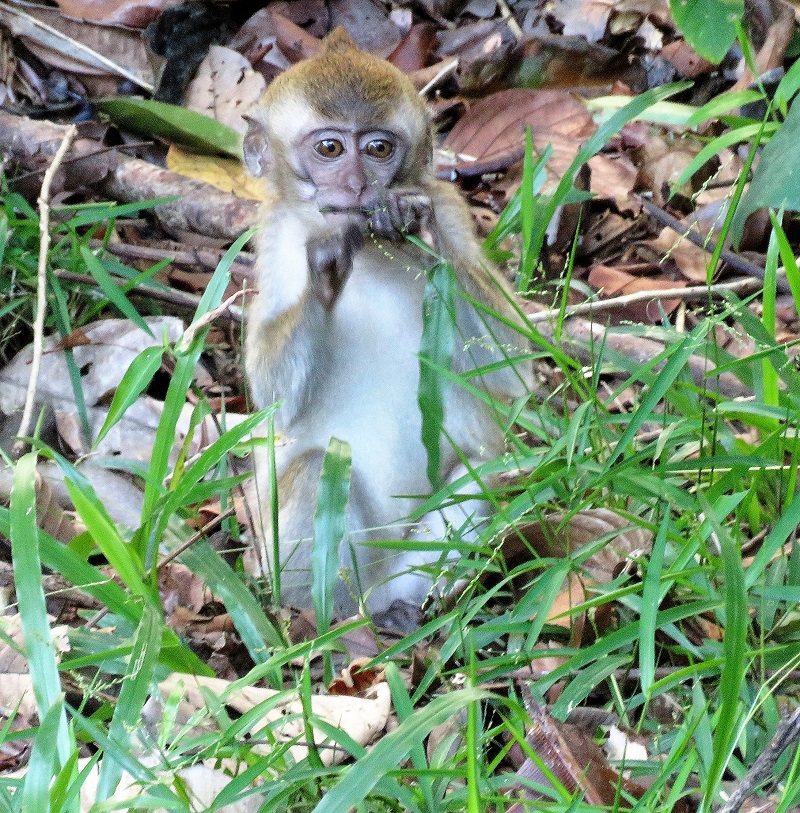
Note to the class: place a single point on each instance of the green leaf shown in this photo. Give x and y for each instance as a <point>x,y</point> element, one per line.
<point>42,764</point>
<point>172,123</point>
<point>111,290</point>
<point>121,556</point>
<point>735,663</point>
<point>40,647</point>
<point>709,26</point>
<point>248,617</point>
<point>132,697</point>
<point>776,180</point>
<point>330,526</point>
<point>436,354</point>
<point>136,379</point>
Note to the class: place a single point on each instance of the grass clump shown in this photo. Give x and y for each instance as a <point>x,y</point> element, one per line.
<point>688,637</point>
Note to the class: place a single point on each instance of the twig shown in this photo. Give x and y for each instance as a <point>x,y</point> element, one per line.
<point>513,25</point>
<point>787,733</point>
<point>41,286</point>
<point>171,295</point>
<point>707,244</point>
<point>449,68</point>
<point>692,292</point>
<point>212,525</point>
<point>206,258</point>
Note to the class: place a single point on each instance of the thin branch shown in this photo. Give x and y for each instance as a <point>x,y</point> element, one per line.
<point>786,734</point>
<point>707,244</point>
<point>41,286</point>
<point>171,295</point>
<point>738,286</point>
<point>192,258</point>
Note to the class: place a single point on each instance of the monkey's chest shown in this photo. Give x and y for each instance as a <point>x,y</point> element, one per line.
<point>366,392</point>
<point>374,338</point>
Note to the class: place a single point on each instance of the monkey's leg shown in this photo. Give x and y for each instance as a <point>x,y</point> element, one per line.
<point>298,487</point>
<point>398,599</point>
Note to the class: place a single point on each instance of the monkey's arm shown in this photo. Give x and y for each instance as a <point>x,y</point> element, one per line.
<point>482,338</point>
<point>288,321</point>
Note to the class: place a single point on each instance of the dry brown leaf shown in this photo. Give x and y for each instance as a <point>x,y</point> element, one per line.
<point>562,612</point>
<point>84,48</point>
<point>51,516</point>
<point>200,784</point>
<point>114,344</point>
<point>551,538</point>
<point>491,135</point>
<point>368,22</point>
<point>356,678</point>
<point>689,259</point>
<point>361,718</point>
<point>586,774</point>
<point>224,88</point>
<point>687,62</point>
<point>134,13</point>
<point>615,281</point>
<point>586,18</point>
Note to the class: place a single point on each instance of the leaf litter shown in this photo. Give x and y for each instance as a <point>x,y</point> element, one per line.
<point>485,107</point>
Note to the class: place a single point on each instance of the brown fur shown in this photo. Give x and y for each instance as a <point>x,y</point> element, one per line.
<point>344,83</point>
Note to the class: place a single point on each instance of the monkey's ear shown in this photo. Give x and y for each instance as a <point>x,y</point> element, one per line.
<point>339,40</point>
<point>256,148</point>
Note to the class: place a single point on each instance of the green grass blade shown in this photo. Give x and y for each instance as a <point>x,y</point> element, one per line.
<point>182,494</point>
<point>39,645</point>
<point>735,651</point>
<point>651,599</point>
<point>132,697</point>
<point>248,617</point>
<point>112,291</point>
<point>134,382</point>
<point>680,355</point>
<point>43,762</point>
<point>436,353</point>
<point>188,354</point>
<point>330,527</point>
<point>392,750</point>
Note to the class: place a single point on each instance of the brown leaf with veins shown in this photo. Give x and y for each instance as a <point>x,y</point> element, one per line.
<point>133,13</point>
<point>491,135</point>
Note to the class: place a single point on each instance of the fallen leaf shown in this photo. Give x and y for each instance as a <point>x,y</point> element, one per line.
<point>224,88</point>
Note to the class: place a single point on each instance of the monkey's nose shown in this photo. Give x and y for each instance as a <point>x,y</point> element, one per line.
<point>355,180</point>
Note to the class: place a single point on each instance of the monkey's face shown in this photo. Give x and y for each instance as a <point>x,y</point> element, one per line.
<point>347,171</point>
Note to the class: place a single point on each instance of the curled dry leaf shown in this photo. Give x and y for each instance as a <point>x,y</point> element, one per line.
<point>74,46</point>
<point>554,537</point>
<point>361,718</point>
<point>491,135</point>
<point>225,87</point>
<point>356,678</point>
<point>133,13</point>
<point>613,282</point>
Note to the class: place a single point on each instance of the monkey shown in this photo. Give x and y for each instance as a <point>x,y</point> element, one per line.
<point>345,147</point>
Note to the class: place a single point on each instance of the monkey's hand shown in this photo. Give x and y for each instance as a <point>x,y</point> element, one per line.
<point>401,212</point>
<point>330,261</point>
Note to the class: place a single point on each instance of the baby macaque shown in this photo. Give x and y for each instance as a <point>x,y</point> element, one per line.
<point>345,145</point>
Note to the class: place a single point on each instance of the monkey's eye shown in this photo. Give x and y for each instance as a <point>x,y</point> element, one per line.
<point>329,148</point>
<point>379,148</point>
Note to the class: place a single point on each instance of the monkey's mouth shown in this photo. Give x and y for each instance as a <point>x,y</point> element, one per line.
<point>354,211</point>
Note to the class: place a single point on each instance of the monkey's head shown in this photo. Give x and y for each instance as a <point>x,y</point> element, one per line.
<point>339,130</point>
